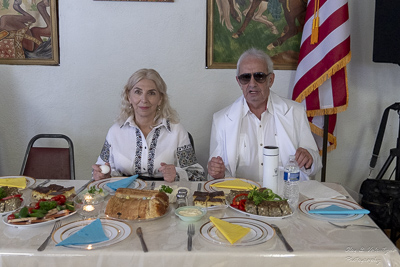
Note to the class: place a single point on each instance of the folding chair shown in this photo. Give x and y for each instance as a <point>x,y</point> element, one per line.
<point>49,162</point>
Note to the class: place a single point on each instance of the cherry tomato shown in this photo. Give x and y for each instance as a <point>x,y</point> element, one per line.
<point>11,217</point>
<point>30,210</point>
<point>60,199</point>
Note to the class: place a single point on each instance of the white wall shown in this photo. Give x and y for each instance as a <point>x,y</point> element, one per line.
<point>102,43</point>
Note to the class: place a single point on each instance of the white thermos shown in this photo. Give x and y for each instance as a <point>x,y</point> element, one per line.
<point>271,167</point>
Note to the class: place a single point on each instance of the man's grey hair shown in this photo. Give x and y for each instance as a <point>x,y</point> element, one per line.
<point>253,52</point>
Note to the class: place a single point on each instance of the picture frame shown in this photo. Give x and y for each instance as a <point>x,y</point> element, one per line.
<point>228,36</point>
<point>29,35</point>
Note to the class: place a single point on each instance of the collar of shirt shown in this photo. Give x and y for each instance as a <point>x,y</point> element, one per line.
<point>161,122</point>
<point>247,111</point>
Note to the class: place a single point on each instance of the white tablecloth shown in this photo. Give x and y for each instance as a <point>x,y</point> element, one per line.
<point>315,243</point>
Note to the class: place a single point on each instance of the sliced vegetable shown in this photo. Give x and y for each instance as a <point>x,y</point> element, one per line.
<point>10,197</point>
<point>166,189</point>
<point>23,213</point>
<point>3,193</point>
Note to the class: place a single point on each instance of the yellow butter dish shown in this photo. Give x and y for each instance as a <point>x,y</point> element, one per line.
<point>19,182</point>
<point>234,184</point>
<point>232,232</point>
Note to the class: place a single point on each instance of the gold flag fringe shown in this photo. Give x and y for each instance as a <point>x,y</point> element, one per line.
<point>317,83</point>
<point>320,132</point>
<point>333,110</point>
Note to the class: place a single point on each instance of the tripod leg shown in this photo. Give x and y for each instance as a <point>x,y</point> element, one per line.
<point>385,167</point>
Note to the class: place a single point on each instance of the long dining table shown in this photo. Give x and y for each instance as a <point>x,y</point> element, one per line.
<point>315,243</point>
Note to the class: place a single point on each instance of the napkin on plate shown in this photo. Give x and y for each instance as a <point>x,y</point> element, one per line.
<point>232,232</point>
<point>316,190</point>
<point>234,184</point>
<point>333,210</point>
<point>123,183</point>
<point>19,182</point>
<point>91,233</point>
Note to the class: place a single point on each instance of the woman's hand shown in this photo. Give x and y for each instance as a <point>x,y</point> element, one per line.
<point>98,175</point>
<point>168,171</point>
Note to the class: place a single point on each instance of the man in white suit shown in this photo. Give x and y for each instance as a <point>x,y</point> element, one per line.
<point>256,119</point>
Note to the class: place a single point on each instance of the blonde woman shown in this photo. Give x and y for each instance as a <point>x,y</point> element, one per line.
<point>147,138</point>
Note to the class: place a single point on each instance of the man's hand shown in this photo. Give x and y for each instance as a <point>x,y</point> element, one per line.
<point>97,175</point>
<point>168,171</point>
<point>303,158</point>
<point>216,168</point>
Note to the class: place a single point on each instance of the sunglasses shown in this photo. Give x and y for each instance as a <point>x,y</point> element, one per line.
<point>259,77</point>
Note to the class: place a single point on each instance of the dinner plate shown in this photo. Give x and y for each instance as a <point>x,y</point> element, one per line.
<point>312,204</point>
<point>5,221</point>
<point>29,180</point>
<point>137,184</point>
<point>209,188</point>
<point>260,232</point>
<point>115,230</point>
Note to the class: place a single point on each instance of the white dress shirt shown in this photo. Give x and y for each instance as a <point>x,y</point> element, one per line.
<point>129,152</point>
<point>254,135</point>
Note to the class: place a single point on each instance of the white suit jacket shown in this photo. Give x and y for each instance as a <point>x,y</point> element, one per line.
<point>292,131</point>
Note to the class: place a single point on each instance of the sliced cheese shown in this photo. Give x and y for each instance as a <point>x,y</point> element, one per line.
<point>232,232</point>
<point>234,184</point>
<point>19,182</point>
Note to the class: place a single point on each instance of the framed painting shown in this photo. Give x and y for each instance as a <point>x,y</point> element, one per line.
<point>29,32</point>
<point>274,26</point>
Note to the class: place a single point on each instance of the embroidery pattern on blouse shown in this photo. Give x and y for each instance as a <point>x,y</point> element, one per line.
<point>105,152</point>
<point>152,151</point>
<point>138,156</point>
<point>187,157</point>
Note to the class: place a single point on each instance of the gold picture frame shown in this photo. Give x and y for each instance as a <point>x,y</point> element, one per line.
<point>228,36</point>
<point>29,32</point>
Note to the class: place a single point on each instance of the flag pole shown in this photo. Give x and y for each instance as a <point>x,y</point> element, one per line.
<point>324,148</point>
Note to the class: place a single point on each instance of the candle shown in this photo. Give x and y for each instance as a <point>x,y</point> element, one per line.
<point>88,208</point>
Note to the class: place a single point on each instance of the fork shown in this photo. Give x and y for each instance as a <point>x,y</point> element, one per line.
<point>190,234</point>
<point>360,225</point>
<point>43,246</point>
<point>42,183</point>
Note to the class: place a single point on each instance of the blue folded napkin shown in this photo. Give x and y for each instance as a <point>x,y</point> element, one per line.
<point>333,209</point>
<point>91,233</point>
<point>123,183</point>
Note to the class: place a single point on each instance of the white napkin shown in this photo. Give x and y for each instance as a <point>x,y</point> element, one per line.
<point>316,190</point>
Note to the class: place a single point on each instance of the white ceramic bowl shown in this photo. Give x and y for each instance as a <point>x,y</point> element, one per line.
<point>188,213</point>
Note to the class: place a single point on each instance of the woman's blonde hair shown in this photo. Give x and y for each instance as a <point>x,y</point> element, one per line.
<point>164,111</point>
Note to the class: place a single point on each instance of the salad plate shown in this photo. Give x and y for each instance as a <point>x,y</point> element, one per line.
<point>29,180</point>
<point>115,230</point>
<point>311,204</point>
<point>5,221</point>
<point>209,188</point>
<point>260,232</point>
<point>102,184</point>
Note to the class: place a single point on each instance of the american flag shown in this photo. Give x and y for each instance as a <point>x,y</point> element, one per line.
<point>321,77</point>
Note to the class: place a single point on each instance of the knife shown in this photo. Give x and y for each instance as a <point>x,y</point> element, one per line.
<point>140,235</point>
<point>282,238</point>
